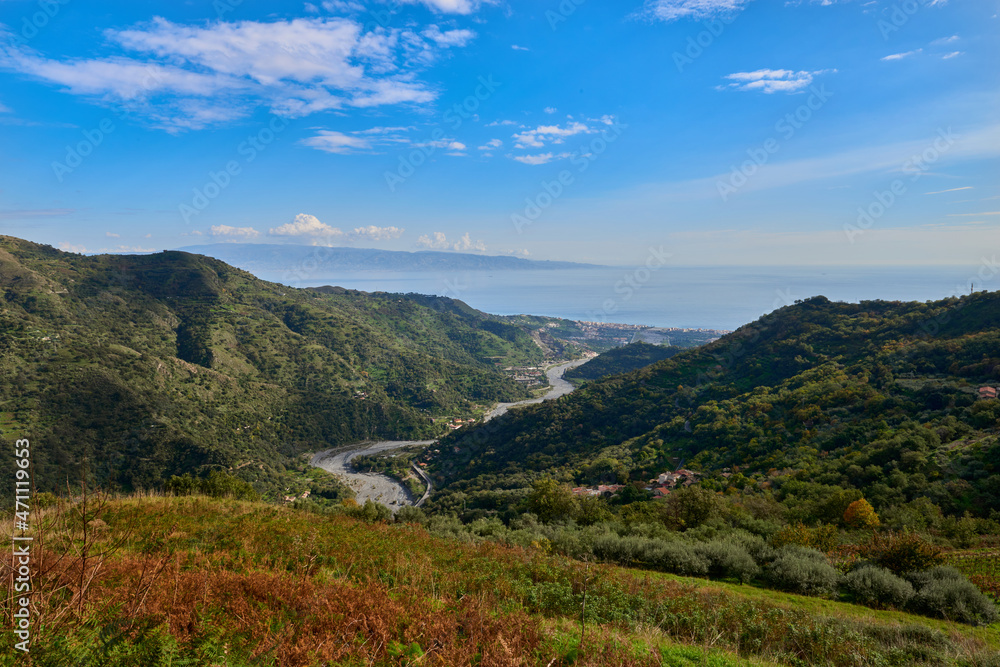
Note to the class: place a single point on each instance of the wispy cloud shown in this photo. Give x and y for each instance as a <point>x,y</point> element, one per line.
<point>773,80</point>
<point>674,10</point>
<point>900,56</point>
<point>234,233</point>
<point>450,6</point>
<point>953,54</point>
<point>554,134</point>
<point>439,241</point>
<point>945,40</point>
<point>370,140</point>
<point>374,233</point>
<point>188,77</point>
<point>540,158</point>
<point>939,192</point>
<point>332,141</point>
<point>490,145</point>
<point>519,48</point>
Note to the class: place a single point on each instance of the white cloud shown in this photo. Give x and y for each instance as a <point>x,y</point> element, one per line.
<point>498,123</point>
<point>900,56</point>
<point>550,110</point>
<point>336,142</point>
<point>773,80</point>
<point>305,225</point>
<point>466,244</point>
<point>342,6</point>
<point>373,233</point>
<point>543,134</point>
<point>449,6</point>
<point>436,241</point>
<point>519,48</point>
<point>192,76</point>
<point>945,40</point>
<point>449,38</point>
<point>541,158</point>
<point>439,241</point>
<point>69,247</point>
<point>234,233</point>
<point>674,10</point>
<point>112,235</point>
<point>953,54</point>
<point>491,145</point>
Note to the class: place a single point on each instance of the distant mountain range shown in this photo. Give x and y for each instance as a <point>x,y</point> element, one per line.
<point>290,260</point>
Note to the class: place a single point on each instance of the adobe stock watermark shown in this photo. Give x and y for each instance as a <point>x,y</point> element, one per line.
<point>453,117</point>
<point>21,545</point>
<point>631,282</point>
<point>562,12</point>
<point>217,181</point>
<point>786,127</point>
<point>900,14</point>
<point>697,45</point>
<point>552,190</point>
<point>915,167</point>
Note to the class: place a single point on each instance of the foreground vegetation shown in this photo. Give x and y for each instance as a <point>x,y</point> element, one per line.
<point>193,580</point>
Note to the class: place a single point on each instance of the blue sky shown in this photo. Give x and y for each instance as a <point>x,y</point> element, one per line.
<point>728,131</point>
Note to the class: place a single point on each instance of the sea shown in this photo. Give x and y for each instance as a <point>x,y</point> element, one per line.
<point>687,297</point>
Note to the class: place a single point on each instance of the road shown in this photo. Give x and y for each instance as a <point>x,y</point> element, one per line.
<point>368,486</point>
<point>559,388</point>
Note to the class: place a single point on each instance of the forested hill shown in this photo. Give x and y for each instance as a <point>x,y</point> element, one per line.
<point>879,396</point>
<point>153,365</point>
<point>622,359</point>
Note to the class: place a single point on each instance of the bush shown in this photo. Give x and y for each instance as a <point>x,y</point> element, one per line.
<point>901,552</point>
<point>956,600</point>
<point>803,570</point>
<point>410,514</point>
<point>877,587</point>
<point>727,559</point>
<point>679,558</point>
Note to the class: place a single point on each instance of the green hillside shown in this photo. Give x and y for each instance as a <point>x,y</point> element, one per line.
<point>141,367</point>
<point>622,360</point>
<point>878,397</point>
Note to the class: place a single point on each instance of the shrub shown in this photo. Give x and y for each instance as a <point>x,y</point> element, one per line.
<point>803,570</point>
<point>755,545</point>
<point>877,587</point>
<point>410,514</point>
<point>956,600</point>
<point>901,552</point>
<point>679,558</point>
<point>727,559</point>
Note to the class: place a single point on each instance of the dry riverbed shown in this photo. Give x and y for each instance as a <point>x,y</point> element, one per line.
<point>387,491</point>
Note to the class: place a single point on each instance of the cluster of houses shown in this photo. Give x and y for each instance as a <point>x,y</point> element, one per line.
<point>987,392</point>
<point>292,499</point>
<point>660,486</point>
